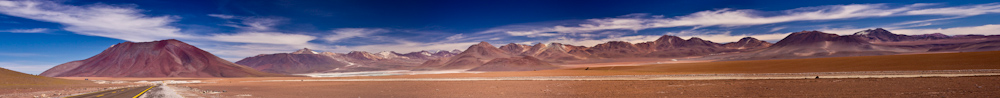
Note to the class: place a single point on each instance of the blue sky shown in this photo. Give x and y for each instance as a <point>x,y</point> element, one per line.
<point>36,35</point>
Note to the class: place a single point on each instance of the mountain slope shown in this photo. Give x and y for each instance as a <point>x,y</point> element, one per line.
<point>292,63</point>
<point>10,77</point>
<point>811,44</point>
<point>747,43</point>
<point>164,58</point>
<point>474,56</point>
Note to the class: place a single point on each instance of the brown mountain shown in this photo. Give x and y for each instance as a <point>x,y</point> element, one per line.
<point>665,46</point>
<point>474,56</point>
<point>882,35</point>
<point>672,46</point>
<point>302,61</point>
<point>164,58</point>
<point>524,63</point>
<point>515,48</point>
<point>305,51</point>
<point>747,43</point>
<point>615,49</point>
<point>362,55</point>
<point>808,44</point>
<point>59,69</point>
<point>552,52</point>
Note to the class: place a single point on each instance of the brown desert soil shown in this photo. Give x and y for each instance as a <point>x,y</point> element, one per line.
<point>962,87</point>
<point>973,86</point>
<point>28,91</point>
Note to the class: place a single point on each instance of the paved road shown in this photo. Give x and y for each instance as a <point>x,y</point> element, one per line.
<point>115,93</point>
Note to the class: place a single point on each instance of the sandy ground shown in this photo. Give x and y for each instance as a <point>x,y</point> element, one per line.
<point>970,74</point>
<point>979,86</point>
<point>28,91</point>
<point>162,92</point>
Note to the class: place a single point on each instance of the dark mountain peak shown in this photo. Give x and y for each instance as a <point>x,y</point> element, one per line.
<point>748,39</point>
<point>748,43</point>
<point>695,39</point>
<point>358,52</point>
<point>513,48</point>
<point>484,43</point>
<point>511,44</point>
<point>875,32</point>
<point>668,39</point>
<point>305,51</point>
<point>805,37</point>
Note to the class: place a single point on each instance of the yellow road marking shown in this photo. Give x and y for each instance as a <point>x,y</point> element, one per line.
<point>100,95</point>
<point>144,91</point>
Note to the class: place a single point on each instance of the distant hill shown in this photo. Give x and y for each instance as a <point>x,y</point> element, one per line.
<point>9,77</point>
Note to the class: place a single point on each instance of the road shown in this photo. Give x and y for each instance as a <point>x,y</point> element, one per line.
<point>115,93</point>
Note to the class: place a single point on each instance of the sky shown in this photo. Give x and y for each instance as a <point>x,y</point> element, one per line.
<point>37,35</point>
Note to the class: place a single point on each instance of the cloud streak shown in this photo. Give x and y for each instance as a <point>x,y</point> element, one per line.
<point>97,20</point>
<point>264,38</point>
<point>35,30</point>
<point>746,17</point>
<point>345,33</point>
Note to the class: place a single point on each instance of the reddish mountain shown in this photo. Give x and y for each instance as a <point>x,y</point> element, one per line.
<point>810,44</point>
<point>747,43</point>
<point>524,63</point>
<point>418,55</point>
<point>302,61</point>
<point>362,55</point>
<point>615,49</point>
<point>164,58</point>
<point>305,51</point>
<point>472,57</point>
<point>672,46</point>
<point>443,53</point>
<point>515,48</point>
<point>882,35</point>
<point>551,52</point>
<point>665,46</point>
<point>59,69</point>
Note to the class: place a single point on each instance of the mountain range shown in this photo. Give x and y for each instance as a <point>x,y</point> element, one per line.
<point>172,58</point>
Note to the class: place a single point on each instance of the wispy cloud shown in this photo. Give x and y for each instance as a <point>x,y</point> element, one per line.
<point>118,22</point>
<point>35,30</point>
<point>777,28</point>
<point>222,16</point>
<point>968,10</point>
<point>409,46</point>
<point>722,17</point>
<point>264,38</point>
<point>989,29</point>
<point>250,23</point>
<point>345,33</point>
<point>745,17</point>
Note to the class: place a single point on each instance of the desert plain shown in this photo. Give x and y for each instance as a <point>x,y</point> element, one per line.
<point>965,74</point>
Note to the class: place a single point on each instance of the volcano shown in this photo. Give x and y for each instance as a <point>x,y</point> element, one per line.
<point>302,61</point>
<point>164,58</point>
<point>812,44</point>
